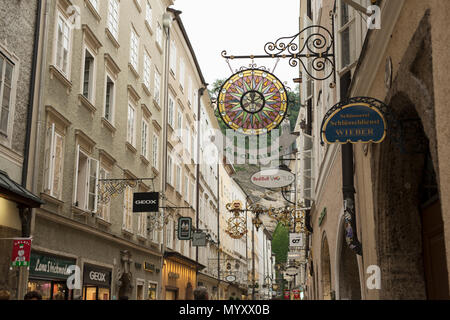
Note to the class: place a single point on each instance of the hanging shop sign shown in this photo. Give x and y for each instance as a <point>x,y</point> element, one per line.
<point>253,102</point>
<point>184,228</point>
<point>146,202</point>
<point>199,239</point>
<point>97,276</point>
<point>287,294</point>
<point>230,278</point>
<point>296,294</point>
<point>359,119</point>
<point>273,178</point>
<point>21,253</point>
<point>296,240</point>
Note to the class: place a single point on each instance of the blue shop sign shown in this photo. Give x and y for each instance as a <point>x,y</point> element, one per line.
<point>356,122</point>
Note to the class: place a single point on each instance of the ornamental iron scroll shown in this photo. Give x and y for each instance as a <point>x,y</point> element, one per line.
<point>109,188</point>
<point>318,45</point>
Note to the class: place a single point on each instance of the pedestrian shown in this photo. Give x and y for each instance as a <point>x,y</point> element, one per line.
<point>33,295</point>
<point>201,293</point>
<point>4,295</point>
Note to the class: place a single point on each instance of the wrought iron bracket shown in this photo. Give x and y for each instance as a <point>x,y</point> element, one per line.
<point>109,188</point>
<point>318,45</point>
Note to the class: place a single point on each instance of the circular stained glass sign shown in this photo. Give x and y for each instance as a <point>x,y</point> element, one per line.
<point>253,102</point>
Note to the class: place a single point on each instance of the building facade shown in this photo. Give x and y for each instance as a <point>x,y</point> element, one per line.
<point>399,201</point>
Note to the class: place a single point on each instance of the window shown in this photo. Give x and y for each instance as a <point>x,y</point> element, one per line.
<point>128,210</point>
<point>169,170</point>
<point>134,49</point>
<point>190,90</point>
<point>157,92</point>
<point>88,75</point>
<point>180,124</point>
<point>147,64</point>
<point>155,147</point>
<point>131,133</point>
<point>171,112</point>
<point>113,18</point>
<point>159,35</point>
<point>188,138</point>
<point>53,162</point>
<point>346,36</point>
<point>178,178</point>
<point>169,233</point>
<point>144,139</point>
<point>194,103</point>
<point>142,224</point>
<point>103,208</point>
<point>191,193</point>
<point>173,57</point>
<point>182,73</point>
<point>6,77</point>
<point>86,180</point>
<point>192,137</point>
<point>109,99</point>
<point>152,289</point>
<point>186,188</point>
<point>148,14</point>
<point>63,43</point>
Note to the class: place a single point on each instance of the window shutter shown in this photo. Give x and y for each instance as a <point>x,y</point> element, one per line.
<point>77,160</point>
<point>49,158</point>
<point>57,165</point>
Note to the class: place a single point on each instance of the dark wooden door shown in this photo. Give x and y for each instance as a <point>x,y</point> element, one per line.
<point>435,262</point>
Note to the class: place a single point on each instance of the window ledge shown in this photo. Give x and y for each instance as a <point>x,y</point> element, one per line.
<point>145,160</point>
<point>51,199</point>
<point>112,38</point>
<point>80,211</point>
<point>179,195</point>
<point>131,147</point>
<point>108,125</point>
<point>54,71</point>
<point>133,70</point>
<point>156,104</point>
<point>141,237</point>
<point>155,171</point>
<point>146,89</point>
<point>158,46</point>
<point>149,27</point>
<point>87,104</point>
<point>138,6</point>
<point>102,221</point>
<point>93,10</point>
<point>126,231</point>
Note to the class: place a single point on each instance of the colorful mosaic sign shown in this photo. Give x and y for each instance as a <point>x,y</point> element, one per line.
<point>253,102</point>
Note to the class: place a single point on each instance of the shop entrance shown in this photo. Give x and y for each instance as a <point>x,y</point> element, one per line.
<point>171,294</point>
<point>50,290</point>
<point>349,282</point>
<point>326,270</point>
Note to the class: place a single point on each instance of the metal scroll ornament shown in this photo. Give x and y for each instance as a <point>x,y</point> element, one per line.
<point>253,102</point>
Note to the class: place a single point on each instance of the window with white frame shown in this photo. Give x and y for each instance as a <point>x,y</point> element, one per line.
<point>159,35</point>
<point>113,18</point>
<point>182,70</point>
<point>148,13</point>
<point>186,188</point>
<point>192,145</point>
<point>144,139</point>
<point>88,75</point>
<point>180,124</point>
<point>147,66</point>
<point>170,233</point>
<point>63,44</point>
<point>86,180</point>
<point>6,89</point>
<point>157,89</point>
<point>191,193</point>
<point>190,92</point>
<point>178,178</point>
<point>346,31</point>
<point>171,111</point>
<point>103,210</point>
<point>131,125</point>
<point>177,244</point>
<point>134,49</point>
<point>169,169</point>
<point>109,99</point>
<point>155,146</point>
<point>53,162</point>
<point>142,224</point>
<point>173,57</point>
<point>127,224</point>
<point>195,102</point>
<point>188,138</point>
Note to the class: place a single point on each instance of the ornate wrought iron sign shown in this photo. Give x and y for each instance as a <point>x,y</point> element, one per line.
<point>184,228</point>
<point>253,102</point>
<point>358,119</point>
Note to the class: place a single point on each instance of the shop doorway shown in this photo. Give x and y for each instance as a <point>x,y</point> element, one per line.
<point>349,281</point>
<point>96,293</point>
<point>171,294</point>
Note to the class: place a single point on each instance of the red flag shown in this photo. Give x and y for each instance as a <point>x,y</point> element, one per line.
<point>21,252</point>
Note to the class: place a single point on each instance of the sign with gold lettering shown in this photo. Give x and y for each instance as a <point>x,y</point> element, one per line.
<point>356,120</point>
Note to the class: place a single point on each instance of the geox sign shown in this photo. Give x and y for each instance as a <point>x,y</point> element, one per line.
<point>146,202</point>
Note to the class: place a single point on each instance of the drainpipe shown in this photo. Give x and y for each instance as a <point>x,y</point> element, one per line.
<point>218,229</point>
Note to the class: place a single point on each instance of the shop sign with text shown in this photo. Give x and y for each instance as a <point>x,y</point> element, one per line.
<point>21,253</point>
<point>273,178</point>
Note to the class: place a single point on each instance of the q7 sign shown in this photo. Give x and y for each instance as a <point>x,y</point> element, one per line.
<point>296,240</point>
<point>146,202</point>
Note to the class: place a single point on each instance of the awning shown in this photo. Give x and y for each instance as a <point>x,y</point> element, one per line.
<point>15,192</point>
<point>183,259</point>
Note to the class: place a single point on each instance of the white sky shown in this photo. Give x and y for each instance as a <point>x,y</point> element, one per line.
<point>241,27</point>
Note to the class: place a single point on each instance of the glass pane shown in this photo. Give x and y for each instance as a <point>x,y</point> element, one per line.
<point>4,120</point>
<point>90,293</point>
<point>103,294</point>
<point>345,14</point>
<point>152,291</point>
<point>345,47</point>
<point>43,287</point>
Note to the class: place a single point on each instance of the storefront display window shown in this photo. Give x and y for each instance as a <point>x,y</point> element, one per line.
<point>96,283</point>
<point>152,291</point>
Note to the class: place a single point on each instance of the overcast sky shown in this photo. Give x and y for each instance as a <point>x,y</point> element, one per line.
<point>241,27</point>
